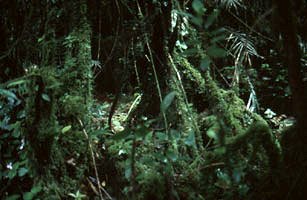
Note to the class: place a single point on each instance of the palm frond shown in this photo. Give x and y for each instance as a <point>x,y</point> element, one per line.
<point>230,3</point>
<point>241,46</point>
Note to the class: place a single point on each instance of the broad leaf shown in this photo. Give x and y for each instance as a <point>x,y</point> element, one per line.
<point>190,140</point>
<point>168,99</point>
<point>171,155</point>
<point>216,52</point>
<point>211,18</point>
<point>46,97</point>
<point>198,7</point>
<point>212,134</point>
<point>13,197</point>
<point>205,64</point>
<point>22,171</point>
<point>122,135</point>
<point>8,94</point>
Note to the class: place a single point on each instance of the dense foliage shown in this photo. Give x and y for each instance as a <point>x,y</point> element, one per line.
<point>148,99</point>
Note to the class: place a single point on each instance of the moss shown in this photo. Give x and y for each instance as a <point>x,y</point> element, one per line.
<point>258,134</point>
<point>244,142</point>
<point>60,96</point>
<point>185,118</point>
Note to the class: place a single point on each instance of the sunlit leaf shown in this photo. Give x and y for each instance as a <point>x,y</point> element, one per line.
<point>66,128</point>
<point>14,83</point>
<point>46,97</point>
<point>212,134</point>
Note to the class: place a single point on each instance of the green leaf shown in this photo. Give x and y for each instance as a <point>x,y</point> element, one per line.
<point>8,94</point>
<point>212,134</point>
<point>205,64</point>
<point>22,171</point>
<point>219,31</point>
<point>18,82</point>
<point>128,172</point>
<point>198,7</point>
<point>16,132</point>
<point>142,131</point>
<point>198,21</point>
<point>39,40</point>
<point>161,136</point>
<point>46,97</point>
<point>220,150</point>
<point>122,135</point>
<point>28,196</point>
<point>160,157</point>
<point>11,174</point>
<point>218,38</point>
<point>13,197</point>
<point>36,189</point>
<point>171,155</point>
<point>66,128</point>
<point>190,52</point>
<point>98,132</point>
<point>168,99</point>
<point>190,140</point>
<point>175,134</point>
<point>211,18</point>
<point>147,161</point>
<point>216,52</point>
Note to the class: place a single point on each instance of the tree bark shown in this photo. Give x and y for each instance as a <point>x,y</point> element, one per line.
<point>293,142</point>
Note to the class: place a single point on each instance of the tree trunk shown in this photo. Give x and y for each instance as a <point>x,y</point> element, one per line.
<point>294,142</point>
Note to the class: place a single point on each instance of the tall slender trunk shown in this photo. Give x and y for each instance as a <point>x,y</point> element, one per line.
<point>294,142</point>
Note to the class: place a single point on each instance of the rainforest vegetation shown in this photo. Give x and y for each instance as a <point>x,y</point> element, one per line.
<point>153,99</point>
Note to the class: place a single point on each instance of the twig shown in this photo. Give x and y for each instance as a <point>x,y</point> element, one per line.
<point>252,28</point>
<point>94,163</point>
<point>213,165</point>
<point>153,69</point>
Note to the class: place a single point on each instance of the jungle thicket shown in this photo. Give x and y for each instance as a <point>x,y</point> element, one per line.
<point>153,99</point>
